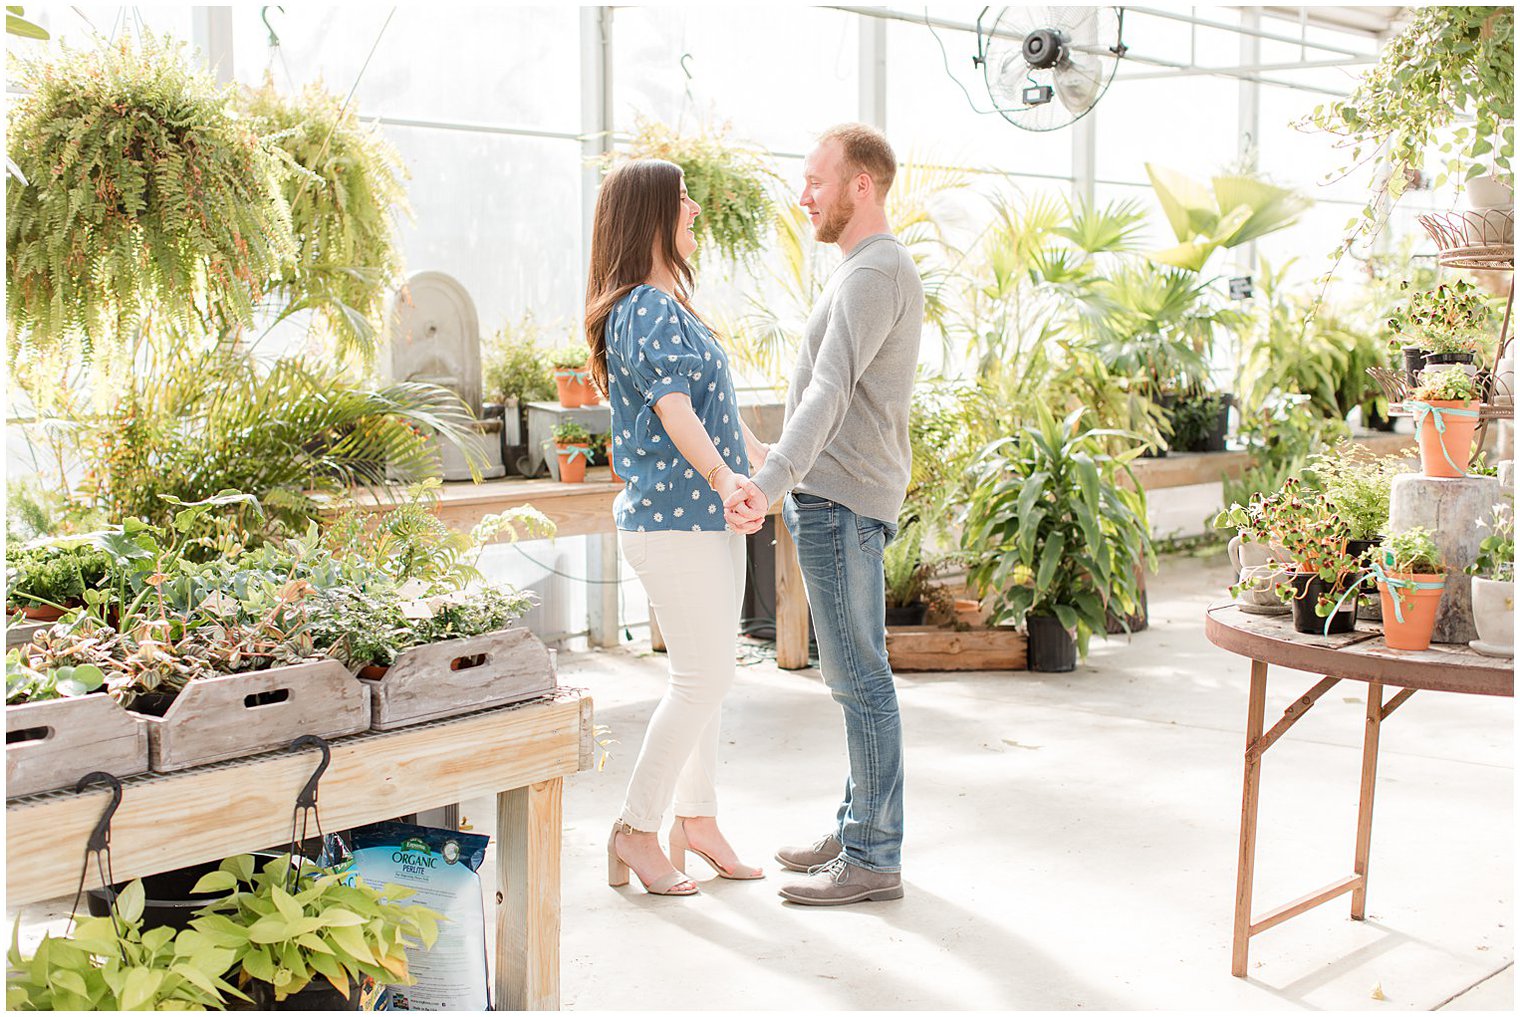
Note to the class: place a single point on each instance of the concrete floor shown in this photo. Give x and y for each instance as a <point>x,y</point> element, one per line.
<point>1071,843</point>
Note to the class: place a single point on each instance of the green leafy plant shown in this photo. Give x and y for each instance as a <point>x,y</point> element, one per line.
<point>113,964</point>
<point>572,357</point>
<point>514,364</point>
<point>1357,485</point>
<point>286,929</point>
<point>1194,420</point>
<point>1451,384</point>
<point>730,180</point>
<point>54,574</point>
<point>345,188</point>
<point>1450,63</point>
<point>1050,531</point>
<point>1412,551</point>
<point>571,433</point>
<point>1235,209</point>
<point>1448,318</point>
<point>25,684</point>
<point>1496,552</point>
<point>143,194</point>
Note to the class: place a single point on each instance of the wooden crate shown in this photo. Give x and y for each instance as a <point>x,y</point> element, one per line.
<point>931,648</point>
<point>215,719</point>
<point>21,633</point>
<point>50,745</point>
<point>459,676</point>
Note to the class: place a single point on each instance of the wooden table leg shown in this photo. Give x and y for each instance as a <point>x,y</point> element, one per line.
<point>1250,799</point>
<point>791,604</point>
<point>1364,805</point>
<point>528,824</point>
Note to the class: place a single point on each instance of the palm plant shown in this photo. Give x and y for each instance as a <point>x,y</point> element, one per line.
<point>294,435</point>
<point>1235,209</point>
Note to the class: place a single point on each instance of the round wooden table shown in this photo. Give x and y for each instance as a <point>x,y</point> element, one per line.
<point>1360,655</point>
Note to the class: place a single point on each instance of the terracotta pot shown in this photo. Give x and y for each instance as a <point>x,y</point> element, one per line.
<point>572,468</point>
<point>373,671</point>
<point>1493,602</point>
<point>1419,610</point>
<point>1456,441</point>
<point>571,392</point>
<point>589,395</point>
<point>42,613</point>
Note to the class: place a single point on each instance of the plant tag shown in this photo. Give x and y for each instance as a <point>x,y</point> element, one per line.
<point>412,589</point>
<point>416,609</point>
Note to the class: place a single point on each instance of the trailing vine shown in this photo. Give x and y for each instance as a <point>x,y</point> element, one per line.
<point>1450,63</point>
<point>145,194</point>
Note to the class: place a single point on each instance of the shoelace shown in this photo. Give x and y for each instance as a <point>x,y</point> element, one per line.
<point>834,869</point>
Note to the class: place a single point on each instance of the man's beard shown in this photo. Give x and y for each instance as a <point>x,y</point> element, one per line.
<point>837,220</point>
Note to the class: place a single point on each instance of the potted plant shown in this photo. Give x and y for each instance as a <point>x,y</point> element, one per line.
<point>1358,486</point>
<point>1493,586</point>
<point>300,938</point>
<point>908,571</point>
<point>43,582</point>
<point>515,371</point>
<point>1053,538</point>
<point>572,444</point>
<point>1316,539</point>
<point>1200,423</point>
<point>115,964</point>
<point>1445,411</point>
<point>1412,577</point>
<point>1442,325</point>
<point>1261,564</point>
<point>572,378</point>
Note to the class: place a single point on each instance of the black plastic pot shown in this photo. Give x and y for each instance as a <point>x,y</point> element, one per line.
<point>169,900</point>
<point>1432,359</point>
<point>1307,588</point>
<point>1051,647</point>
<point>1414,359</point>
<point>1214,440</point>
<point>318,995</point>
<point>1374,420</point>
<point>911,614</point>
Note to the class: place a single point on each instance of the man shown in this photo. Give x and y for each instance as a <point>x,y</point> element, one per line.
<point>843,454</point>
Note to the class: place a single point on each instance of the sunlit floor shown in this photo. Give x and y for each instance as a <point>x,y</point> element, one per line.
<point>1071,843</point>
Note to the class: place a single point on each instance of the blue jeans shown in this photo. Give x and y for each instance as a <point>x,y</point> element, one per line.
<point>840,554</point>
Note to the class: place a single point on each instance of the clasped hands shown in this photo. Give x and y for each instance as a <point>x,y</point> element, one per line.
<point>744,504</point>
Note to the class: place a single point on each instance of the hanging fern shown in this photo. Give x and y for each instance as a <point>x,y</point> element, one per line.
<point>730,181</point>
<point>144,194</point>
<point>346,186</point>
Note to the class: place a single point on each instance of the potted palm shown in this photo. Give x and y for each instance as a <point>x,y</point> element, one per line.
<point>1053,538</point>
<point>1493,586</point>
<point>1411,579</point>
<point>1445,411</point>
<point>572,444</point>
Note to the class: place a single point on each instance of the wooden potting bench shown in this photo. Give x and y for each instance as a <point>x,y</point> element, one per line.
<point>1355,656</point>
<point>519,753</point>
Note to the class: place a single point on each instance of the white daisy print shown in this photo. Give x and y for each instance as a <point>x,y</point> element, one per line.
<point>646,502</point>
<point>657,344</point>
<point>659,518</point>
<point>690,474</point>
<point>696,528</point>
<point>722,396</point>
<point>725,450</point>
<point>711,385</point>
<point>679,512</point>
<point>675,319</point>
<point>695,495</point>
<point>660,465</point>
<point>655,437</point>
<point>712,509</point>
<point>725,418</point>
<point>659,485</point>
<point>627,461</point>
<point>707,355</point>
<point>643,311</point>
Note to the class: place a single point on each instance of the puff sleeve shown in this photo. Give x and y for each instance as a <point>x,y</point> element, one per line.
<point>654,351</point>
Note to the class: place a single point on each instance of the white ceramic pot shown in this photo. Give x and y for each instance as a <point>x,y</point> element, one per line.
<point>1489,192</point>
<point>1257,566</point>
<point>1493,605</point>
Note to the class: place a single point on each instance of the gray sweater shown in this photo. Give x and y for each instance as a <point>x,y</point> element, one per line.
<point>846,431</point>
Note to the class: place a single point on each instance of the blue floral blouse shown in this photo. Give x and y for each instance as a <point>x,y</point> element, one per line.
<point>656,347</point>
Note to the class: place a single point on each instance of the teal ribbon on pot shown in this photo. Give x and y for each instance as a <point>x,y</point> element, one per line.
<point>571,451</point>
<point>579,377</point>
<point>1394,583</point>
<point>1420,410</point>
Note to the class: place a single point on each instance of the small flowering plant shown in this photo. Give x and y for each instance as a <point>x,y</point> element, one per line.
<point>1449,385</point>
<point>1447,319</point>
<point>1496,553</point>
<point>1412,552</point>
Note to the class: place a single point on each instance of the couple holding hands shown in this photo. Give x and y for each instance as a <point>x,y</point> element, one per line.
<point>696,481</point>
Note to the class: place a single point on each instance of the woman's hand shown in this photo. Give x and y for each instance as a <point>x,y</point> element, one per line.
<point>727,484</point>
<point>757,451</point>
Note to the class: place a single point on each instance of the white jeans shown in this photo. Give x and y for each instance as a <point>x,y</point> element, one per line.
<point>695,583</point>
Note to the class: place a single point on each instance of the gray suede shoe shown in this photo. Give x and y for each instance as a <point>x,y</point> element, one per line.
<point>839,882</point>
<point>806,859</point>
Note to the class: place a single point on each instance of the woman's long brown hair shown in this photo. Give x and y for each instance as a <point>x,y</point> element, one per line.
<point>639,204</point>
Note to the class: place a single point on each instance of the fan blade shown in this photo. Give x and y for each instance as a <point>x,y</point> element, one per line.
<point>1077,83</point>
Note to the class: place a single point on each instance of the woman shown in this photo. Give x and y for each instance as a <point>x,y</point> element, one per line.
<point>681,448</point>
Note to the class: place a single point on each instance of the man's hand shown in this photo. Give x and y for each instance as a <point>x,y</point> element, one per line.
<point>745,506</point>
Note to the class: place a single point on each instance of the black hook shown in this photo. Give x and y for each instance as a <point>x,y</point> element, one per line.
<point>274,40</point>
<point>100,838</point>
<point>307,799</point>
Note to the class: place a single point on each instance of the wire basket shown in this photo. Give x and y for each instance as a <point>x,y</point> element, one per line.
<point>1477,238</point>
